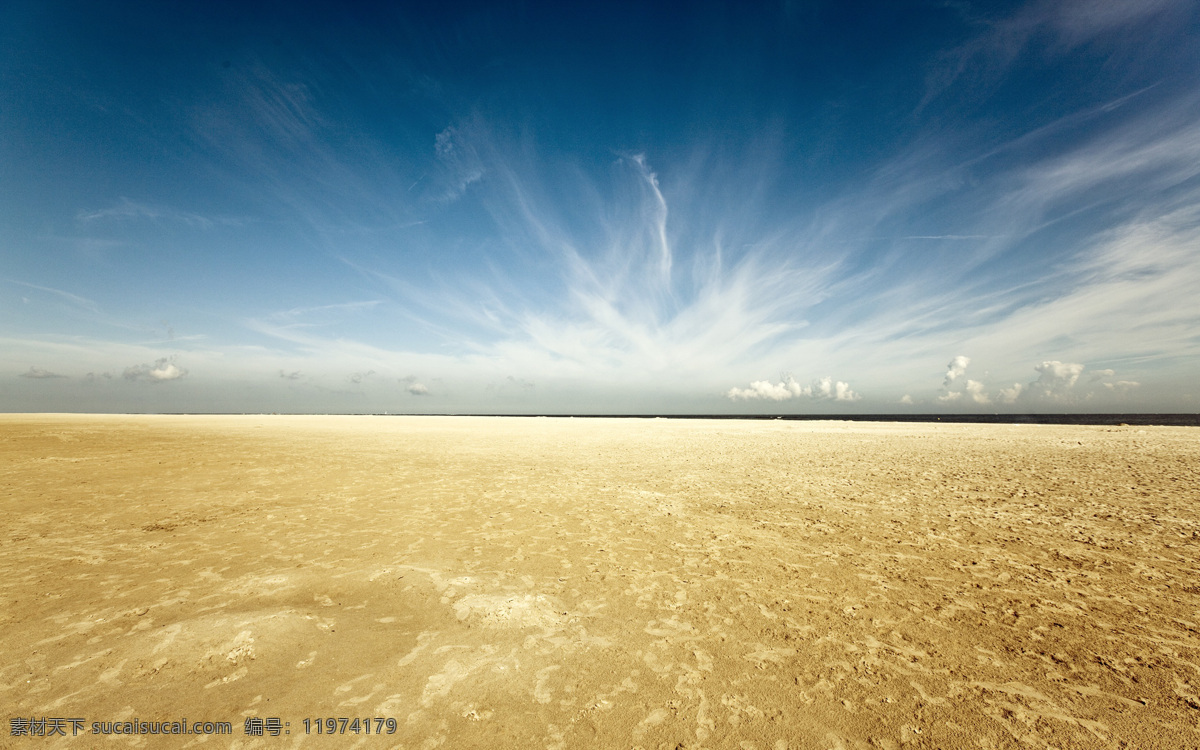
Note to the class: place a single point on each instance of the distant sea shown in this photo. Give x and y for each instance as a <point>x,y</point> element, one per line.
<point>1189,420</point>
<point>1174,420</point>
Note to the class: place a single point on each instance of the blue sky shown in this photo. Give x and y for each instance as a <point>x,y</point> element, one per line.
<point>512,208</point>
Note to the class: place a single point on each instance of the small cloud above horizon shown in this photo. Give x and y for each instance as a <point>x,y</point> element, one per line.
<point>38,373</point>
<point>413,387</point>
<point>161,371</point>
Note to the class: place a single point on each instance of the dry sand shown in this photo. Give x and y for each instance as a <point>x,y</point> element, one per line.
<point>564,583</point>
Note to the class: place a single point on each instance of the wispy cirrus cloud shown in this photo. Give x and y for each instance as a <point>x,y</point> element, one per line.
<point>127,209</point>
<point>1057,26</point>
<point>273,130</point>
<point>76,300</point>
<point>637,283</point>
<point>460,164</point>
<point>615,298</point>
<point>321,314</point>
<point>622,300</point>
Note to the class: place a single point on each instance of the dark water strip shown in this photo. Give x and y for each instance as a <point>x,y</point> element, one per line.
<point>1189,420</point>
<point>1171,420</point>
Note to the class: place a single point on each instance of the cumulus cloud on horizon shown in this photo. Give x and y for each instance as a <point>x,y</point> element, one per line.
<point>824,388</point>
<point>161,371</point>
<point>1057,383</point>
<point>973,389</point>
<point>1010,395</point>
<point>1056,378</point>
<point>956,368</point>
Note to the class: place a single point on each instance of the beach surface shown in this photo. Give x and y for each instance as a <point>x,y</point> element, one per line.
<point>612,583</point>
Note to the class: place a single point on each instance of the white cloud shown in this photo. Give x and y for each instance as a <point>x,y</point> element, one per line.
<point>40,374</point>
<point>1056,378</point>
<point>982,62</point>
<point>614,303</point>
<point>1101,377</point>
<point>74,299</point>
<point>906,399</point>
<point>659,217</point>
<point>975,390</point>
<point>1114,295</point>
<point>632,301</point>
<point>824,388</point>
<point>841,391</point>
<point>765,390</point>
<point>1060,383</point>
<point>1122,386</point>
<point>127,209</point>
<point>414,387</point>
<point>1079,20</point>
<point>324,312</point>
<point>161,371</point>
<point>1056,383</point>
<point>955,369</point>
<point>1010,395</point>
<point>459,159</point>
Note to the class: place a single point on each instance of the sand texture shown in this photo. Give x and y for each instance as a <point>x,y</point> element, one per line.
<point>563,583</point>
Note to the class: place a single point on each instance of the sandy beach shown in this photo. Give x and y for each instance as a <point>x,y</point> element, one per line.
<point>562,583</point>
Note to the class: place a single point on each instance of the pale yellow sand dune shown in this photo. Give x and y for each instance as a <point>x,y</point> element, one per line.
<point>559,583</point>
